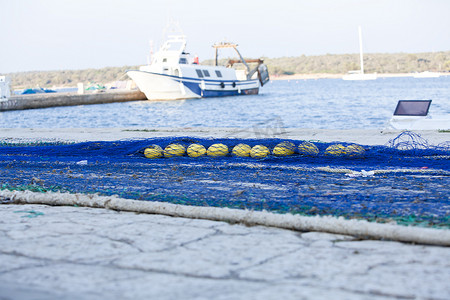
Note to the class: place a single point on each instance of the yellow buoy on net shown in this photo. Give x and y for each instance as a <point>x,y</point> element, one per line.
<point>308,148</point>
<point>241,150</point>
<point>284,149</point>
<point>355,150</point>
<point>153,151</point>
<point>259,151</point>
<point>216,150</point>
<point>196,150</point>
<point>335,150</point>
<point>174,150</point>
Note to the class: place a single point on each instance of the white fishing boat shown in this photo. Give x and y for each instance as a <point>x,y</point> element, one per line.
<point>414,115</point>
<point>173,74</point>
<point>359,74</point>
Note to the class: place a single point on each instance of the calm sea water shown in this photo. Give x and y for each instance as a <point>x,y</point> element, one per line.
<point>321,103</point>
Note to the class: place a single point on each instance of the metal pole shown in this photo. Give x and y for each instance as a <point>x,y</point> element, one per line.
<point>361,50</point>
<point>216,56</point>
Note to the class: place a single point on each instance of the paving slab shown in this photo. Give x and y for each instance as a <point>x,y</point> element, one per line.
<point>66,252</point>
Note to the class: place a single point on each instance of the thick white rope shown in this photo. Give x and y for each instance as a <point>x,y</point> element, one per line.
<point>360,228</point>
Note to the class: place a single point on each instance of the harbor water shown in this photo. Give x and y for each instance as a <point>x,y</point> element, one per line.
<point>320,103</point>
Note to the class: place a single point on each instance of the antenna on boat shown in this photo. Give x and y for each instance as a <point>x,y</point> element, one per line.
<point>172,28</point>
<point>150,55</point>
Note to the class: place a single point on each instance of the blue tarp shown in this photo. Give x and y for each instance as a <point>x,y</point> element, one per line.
<point>37,91</point>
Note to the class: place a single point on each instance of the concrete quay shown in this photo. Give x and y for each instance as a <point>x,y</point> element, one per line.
<point>69,99</point>
<point>68,252</point>
<point>359,136</point>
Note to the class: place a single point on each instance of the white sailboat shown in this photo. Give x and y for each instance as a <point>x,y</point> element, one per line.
<point>359,74</point>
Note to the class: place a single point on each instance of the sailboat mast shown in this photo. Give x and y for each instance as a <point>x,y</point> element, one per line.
<point>361,50</point>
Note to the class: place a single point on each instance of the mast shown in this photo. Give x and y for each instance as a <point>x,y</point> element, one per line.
<point>216,57</point>
<point>361,50</point>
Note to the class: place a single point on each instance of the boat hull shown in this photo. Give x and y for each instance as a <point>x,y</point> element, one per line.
<point>167,87</point>
<point>360,76</point>
<point>427,74</point>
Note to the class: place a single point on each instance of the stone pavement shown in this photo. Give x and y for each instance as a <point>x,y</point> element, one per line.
<point>68,252</point>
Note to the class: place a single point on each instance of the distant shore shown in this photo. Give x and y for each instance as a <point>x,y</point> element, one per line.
<point>328,75</point>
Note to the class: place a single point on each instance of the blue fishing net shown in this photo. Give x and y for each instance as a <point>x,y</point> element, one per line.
<point>405,180</point>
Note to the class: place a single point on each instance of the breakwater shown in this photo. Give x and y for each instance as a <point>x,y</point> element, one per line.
<point>34,101</point>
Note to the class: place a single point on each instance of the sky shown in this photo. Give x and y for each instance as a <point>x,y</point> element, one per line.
<point>39,35</point>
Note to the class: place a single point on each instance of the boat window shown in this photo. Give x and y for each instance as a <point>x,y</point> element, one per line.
<point>206,73</point>
<point>182,61</point>
<point>199,73</point>
<point>164,59</point>
<point>219,74</point>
